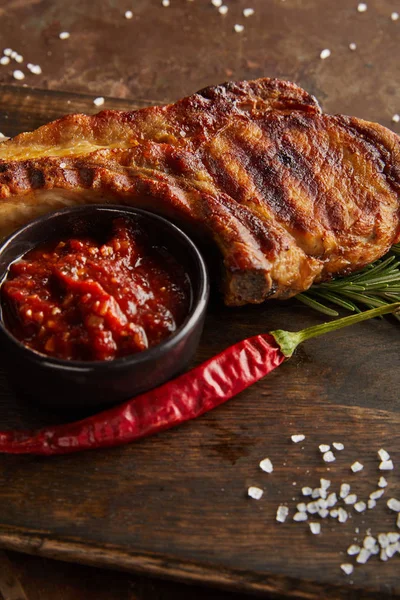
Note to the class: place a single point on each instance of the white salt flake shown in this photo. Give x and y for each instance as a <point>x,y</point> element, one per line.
<point>4,60</point>
<point>248,12</point>
<point>344,490</point>
<point>394,504</point>
<point>347,568</point>
<point>369,542</point>
<point>356,466</point>
<point>223,10</point>
<point>325,54</point>
<point>360,506</point>
<point>63,165</point>
<point>316,493</point>
<point>165,3</point>
<point>375,549</point>
<point>266,465</point>
<point>312,508</point>
<point>301,507</point>
<point>331,500</point>
<point>386,465</point>
<point>128,14</point>
<point>306,491</point>
<point>383,556</point>
<point>371,503</point>
<point>298,438</point>
<point>338,445</point>
<point>362,7</point>
<point>376,495</point>
<point>325,483</point>
<point>393,537</point>
<point>395,16</point>
<point>353,550</point>
<point>300,516</point>
<point>342,515</point>
<point>321,503</point>
<point>36,69</point>
<point>383,540</point>
<point>382,482</point>
<point>255,492</point>
<point>363,556</point>
<point>353,46</point>
<point>19,75</point>
<point>328,457</point>
<point>19,58</point>
<point>350,499</point>
<point>7,51</point>
<point>398,521</point>
<point>391,550</point>
<point>238,28</point>
<point>315,528</point>
<point>282,513</point>
<point>64,35</point>
<point>396,118</point>
<point>383,455</point>
<point>14,54</point>
<point>324,448</point>
<point>323,513</point>
<point>98,101</point>
<point>216,3</point>
<point>334,513</point>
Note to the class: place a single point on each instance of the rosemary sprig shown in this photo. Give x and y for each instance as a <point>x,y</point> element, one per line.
<point>376,285</point>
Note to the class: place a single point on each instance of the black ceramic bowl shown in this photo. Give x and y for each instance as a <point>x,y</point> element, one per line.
<point>101,383</point>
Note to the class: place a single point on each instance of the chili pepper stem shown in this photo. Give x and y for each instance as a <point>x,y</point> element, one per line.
<point>289,340</point>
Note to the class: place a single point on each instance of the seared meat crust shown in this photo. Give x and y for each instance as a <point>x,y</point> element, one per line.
<point>289,195</point>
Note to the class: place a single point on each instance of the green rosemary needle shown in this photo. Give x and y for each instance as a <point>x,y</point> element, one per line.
<point>375,285</point>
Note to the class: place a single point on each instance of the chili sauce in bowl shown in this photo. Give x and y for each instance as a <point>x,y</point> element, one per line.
<point>99,303</point>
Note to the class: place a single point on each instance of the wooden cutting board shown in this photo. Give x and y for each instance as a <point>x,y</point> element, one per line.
<point>176,505</point>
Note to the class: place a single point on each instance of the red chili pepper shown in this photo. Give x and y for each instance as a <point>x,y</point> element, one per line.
<point>186,397</point>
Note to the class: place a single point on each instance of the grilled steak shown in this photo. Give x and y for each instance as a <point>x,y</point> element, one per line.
<point>289,195</point>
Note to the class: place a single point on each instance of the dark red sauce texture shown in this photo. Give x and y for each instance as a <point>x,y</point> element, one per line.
<point>79,299</point>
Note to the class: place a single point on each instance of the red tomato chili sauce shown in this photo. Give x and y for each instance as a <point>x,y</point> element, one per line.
<point>79,299</point>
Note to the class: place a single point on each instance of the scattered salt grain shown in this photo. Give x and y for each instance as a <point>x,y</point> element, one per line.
<point>376,495</point>
<point>19,59</point>
<point>350,499</point>
<point>353,549</point>
<point>35,69</point>
<point>363,556</point>
<point>315,528</point>
<point>353,46</point>
<point>396,118</point>
<point>62,166</point>
<point>334,513</point>
<point>298,438</point>
<point>328,457</point>
<point>4,60</point>
<point>371,503</point>
<point>386,465</point>
<point>7,51</point>
<point>398,521</point>
<point>395,16</point>
<point>357,466</point>
<point>383,556</point>
<point>323,513</point>
<point>238,28</point>
<point>282,513</point>
<point>393,537</point>
<point>128,14</point>
<point>325,483</point>
<point>324,448</point>
<point>14,54</point>
<point>369,542</point>
<point>255,492</point>
<point>391,550</point>
<point>19,75</point>
<point>383,455</point>
<point>338,445</point>
<point>98,101</point>
<point>375,549</point>
<point>165,3</point>
<point>382,482</point>
<point>248,12</point>
<point>344,490</point>
<point>394,504</point>
<point>360,506</point>
<point>300,516</point>
<point>301,507</point>
<point>312,508</point>
<point>223,10</point>
<point>342,515</point>
<point>306,491</point>
<point>347,568</point>
<point>266,465</point>
<point>325,54</point>
<point>64,35</point>
<point>362,7</point>
<point>383,540</point>
<point>331,500</point>
<point>321,503</point>
<point>216,3</point>
<point>316,493</point>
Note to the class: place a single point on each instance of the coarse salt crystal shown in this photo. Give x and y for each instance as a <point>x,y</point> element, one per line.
<point>315,528</point>
<point>398,521</point>
<point>375,549</point>
<point>362,7</point>
<point>165,3</point>
<point>64,35</point>
<point>393,537</point>
<point>323,513</point>
<point>347,568</point>
<point>396,118</point>
<point>353,549</point>
<point>223,10</point>
<point>306,491</point>
<point>248,12</point>
<point>325,483</point>
<point>298,438</point>
<point>328,457</point>
<point>391,550</point>
<point>338,445</point>
<point>363,556</point>
<point>371,503</point>
<point>4,60</point>
<point>301,507</point>
<point>350,499</point>
<point>216,3</point>
<point>386,465</point>
<point>238,28</point>
<point>35,69</point>
<point>376,495</point>
<point>369,542</point>
<point>62,166</point>
<point>19,58</point>
<point>300,516</point>
<point>312,508</point>
<point>325,53</point>
<point>360,506</point>
<point>344,490</point>
<point>382,482</point>
<point>316,493</point>
<point>334,513</point>
<point>14,54</point>
<point>342,515</point>
<point>98,101</point>
<point>394,504</point>
<point>383,556</point>
<point>7,51</point>
<point>357,466</point>
<point>331,500</point>
<point>383,540</point>
<point>321,503</point>
<point>383,455</point>
<point>266,465</point>
<point>128,14</point>
<point>395,16</point>
<point>282,513</point>
<point>255,492</point>
<point>353,46</point>
<point>324,448</point>
<point>19,75</point>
